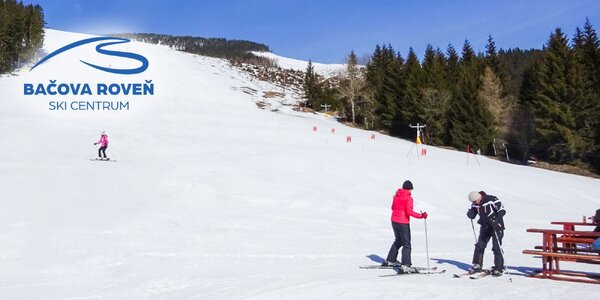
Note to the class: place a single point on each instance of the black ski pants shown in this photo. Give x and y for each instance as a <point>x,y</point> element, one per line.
<point>102,150</point>
<point>485,233</point>
<point>402,240</point>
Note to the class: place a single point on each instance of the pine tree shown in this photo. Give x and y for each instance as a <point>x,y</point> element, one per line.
<point>392,93</point>
<point>311,85</point>
<point>522,125</point>
<point>452,70</point>
<point>491,56</point>
<point>554,120</point>
<point>442,64</point>
<point>430,74</point>
<point>468,54</point>
<point>435,94</point>
<point>374,82</point>
<point>35,27</point>
<point>434,69</point>
<point>586,82</point>
<point>410,104</point>
<point>383,73</point>
<point>469,120</point>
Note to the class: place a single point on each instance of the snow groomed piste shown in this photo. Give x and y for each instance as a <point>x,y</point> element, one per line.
<point>213,198</point>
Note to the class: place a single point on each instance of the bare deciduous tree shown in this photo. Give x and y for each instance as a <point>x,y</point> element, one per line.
<point>500,107</point>
<point>352,83</point>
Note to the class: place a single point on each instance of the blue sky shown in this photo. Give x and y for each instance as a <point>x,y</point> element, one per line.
<point>326,31</point>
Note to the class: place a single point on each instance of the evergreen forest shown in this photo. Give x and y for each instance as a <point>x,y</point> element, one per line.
<point>233,50</point>
<point>529,104</point>
<point>21,33</point>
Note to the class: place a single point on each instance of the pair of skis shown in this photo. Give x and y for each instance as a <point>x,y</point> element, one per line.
<point>103,159</point>
<point>427,271</point>
<point>419,270</point>
<point>478,275</point>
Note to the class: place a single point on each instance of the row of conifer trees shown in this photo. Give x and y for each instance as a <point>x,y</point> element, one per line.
<point>543,103</point>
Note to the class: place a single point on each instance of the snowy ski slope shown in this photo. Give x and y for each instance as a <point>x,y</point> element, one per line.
<point>213,198</point>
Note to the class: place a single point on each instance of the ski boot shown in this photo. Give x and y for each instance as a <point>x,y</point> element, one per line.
<point>390,264</point>
<point>476,268</point>
<point>497,272</point>
<point>407,269</point>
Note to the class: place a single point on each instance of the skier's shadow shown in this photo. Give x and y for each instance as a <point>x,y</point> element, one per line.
<point>376,258</point>
<point>522,271</point>
<point>461,265</point>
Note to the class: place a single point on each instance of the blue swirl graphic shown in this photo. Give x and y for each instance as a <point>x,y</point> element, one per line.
<point>99,49</point>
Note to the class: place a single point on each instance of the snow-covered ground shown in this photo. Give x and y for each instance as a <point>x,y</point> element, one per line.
<point>327,70</point>
<point>213,198</point>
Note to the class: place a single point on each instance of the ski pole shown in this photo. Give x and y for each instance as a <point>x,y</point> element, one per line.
<point>112,154</point>
<point>426,242</point>
<point>473,227</point>
<point>95,148</point>
<point>499,244</point>
<point>502,252</point>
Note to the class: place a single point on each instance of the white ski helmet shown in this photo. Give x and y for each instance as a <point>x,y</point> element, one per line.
<point>474,196</point>
<point>103,133</point>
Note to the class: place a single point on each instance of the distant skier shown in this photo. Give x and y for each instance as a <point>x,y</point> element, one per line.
<point>103,145</point>
<point>402,210</point>
<point>491,213</point>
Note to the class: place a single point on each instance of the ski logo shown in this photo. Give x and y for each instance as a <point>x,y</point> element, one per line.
<point>109,42</point>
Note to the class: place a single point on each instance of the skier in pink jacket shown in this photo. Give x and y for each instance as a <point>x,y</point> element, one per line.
<point>402,210</point>
<point>103,145</point>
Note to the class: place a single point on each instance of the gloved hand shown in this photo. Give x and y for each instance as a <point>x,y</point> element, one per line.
<point>424,215</point>
<point>95,144</point>
<point>471,214</point>
<point>496,226</point>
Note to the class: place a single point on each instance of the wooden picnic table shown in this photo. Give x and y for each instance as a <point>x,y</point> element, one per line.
<point>552,253</point>
<point>571,225</point>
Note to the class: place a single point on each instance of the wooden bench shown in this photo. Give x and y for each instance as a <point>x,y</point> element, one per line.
<point>594,259</point>
<point>575,240</point>
<point>571,226</point>
<point>552,253</point>
<point>570,250</point>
